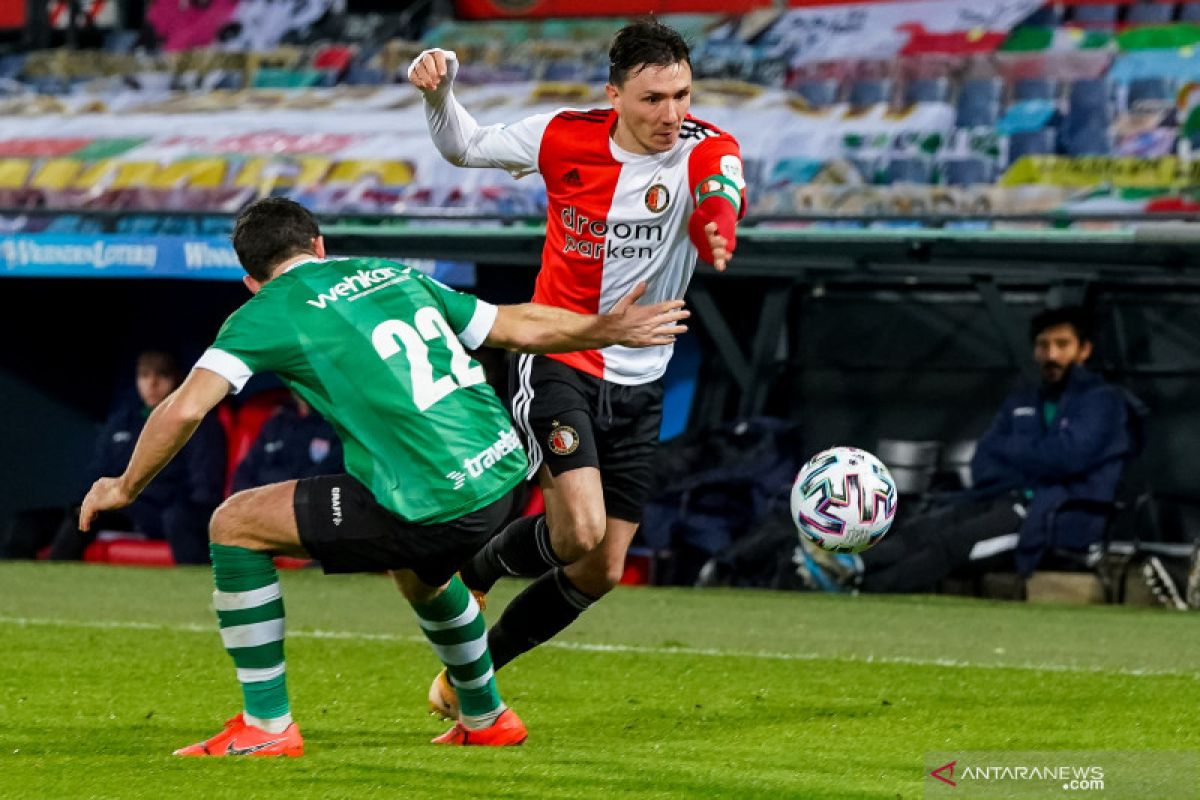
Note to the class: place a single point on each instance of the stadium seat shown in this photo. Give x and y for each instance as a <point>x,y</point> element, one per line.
<point>926,90</point>
<point>819,94</point>
<point>870,92</point>
<point>1155,91</point>
<point>966,171</point>
<point>1032,143</point>
<point>1089,140</point>
<point>978,103</point>
<point>248,421</point>
<point>908,170</point>
<point>359,75</point>
<point>1150,13</point>
<point>1089,94</point>
<point>912,463</point>
<point>955,462</point>
<point>1101,16</point>
<point>679,387</point>
<point>1189,12</point>
<point>1035,89</point>
<point>148,553</point>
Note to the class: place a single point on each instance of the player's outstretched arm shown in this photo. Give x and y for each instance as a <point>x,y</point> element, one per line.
<point>167,430</point>
<point>535,328</point>
<point>455,133</point>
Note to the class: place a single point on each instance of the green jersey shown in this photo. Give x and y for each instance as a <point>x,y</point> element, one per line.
<point>378,349</point>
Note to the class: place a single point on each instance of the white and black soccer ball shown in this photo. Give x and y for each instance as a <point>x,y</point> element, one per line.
<point>843,500</point>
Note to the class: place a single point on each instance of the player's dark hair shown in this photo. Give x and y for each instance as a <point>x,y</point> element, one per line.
<point>160,362</point>
<point>1075,316</point>
<point>645,43</point>
<point>272,230</point>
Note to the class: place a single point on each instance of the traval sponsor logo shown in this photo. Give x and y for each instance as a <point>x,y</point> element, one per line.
<point>360,283</point>
<point>506,443</point>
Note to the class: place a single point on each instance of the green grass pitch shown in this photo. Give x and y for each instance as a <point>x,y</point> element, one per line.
<point>654,693</point>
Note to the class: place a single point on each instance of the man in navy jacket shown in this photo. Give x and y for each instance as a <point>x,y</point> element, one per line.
<point>1067,438</point>
<point>296,442</point>
<point>177,504</point>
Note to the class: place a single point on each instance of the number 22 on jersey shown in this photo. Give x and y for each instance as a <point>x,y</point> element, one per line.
<point>394,335</point>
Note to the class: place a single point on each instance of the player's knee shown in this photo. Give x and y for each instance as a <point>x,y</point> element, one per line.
<point>223,525</point>
<point>582,533</point>
<point>229,523</point>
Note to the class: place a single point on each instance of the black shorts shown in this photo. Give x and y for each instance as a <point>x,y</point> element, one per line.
<point>344,527</point>
<point>570,419</point>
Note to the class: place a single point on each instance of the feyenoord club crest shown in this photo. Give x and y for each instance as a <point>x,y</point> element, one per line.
<point>658,198</point>
<point>563,440</point>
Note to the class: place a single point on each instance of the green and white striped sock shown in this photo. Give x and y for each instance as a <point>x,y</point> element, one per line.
<point>249,608</point>
<point>458,633</point>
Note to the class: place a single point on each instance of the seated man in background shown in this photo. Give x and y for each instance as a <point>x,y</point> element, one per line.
<point>1067,438</point>
<point>176,506</point>
<point>296,442</point>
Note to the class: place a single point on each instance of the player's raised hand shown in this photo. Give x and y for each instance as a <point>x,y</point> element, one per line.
<point>719,246</point>
<point>106,494</point>
<point>429,69</point>
<point>648,325</point>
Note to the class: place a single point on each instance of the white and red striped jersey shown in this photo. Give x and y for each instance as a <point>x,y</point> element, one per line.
<point>614,217</point>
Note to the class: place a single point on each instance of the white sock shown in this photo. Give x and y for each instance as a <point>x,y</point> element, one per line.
<point>482,721</point>
<point>274,725</point>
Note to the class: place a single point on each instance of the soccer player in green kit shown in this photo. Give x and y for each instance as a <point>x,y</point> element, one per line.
<point>380,351</point>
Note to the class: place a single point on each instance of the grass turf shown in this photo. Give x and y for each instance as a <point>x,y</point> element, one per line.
<point>654,693</point>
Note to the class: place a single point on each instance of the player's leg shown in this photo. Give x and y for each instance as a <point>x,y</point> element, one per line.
<point>245,531</point>
<point>529,546</point>
<point>552,407</point>
<point>627,420</point>
<point>965,534</point>
<point>451,620</point>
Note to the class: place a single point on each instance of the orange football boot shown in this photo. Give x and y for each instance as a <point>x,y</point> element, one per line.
<point>506,730</point>
<point>443,699</point>
<point>240,739</point>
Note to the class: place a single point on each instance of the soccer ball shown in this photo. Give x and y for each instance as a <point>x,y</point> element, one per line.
<point>843,500</point>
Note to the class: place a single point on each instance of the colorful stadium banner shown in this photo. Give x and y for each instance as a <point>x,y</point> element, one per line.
<point>888,29</point>
<point>234,24</point>
<point>369,151</point>
<point>516,9</point>
<point>1116,171</point>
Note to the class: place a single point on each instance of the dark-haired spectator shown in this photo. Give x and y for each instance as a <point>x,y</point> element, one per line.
<point>1068,437</point>
<point>296,442</point>
<point>178,502</point>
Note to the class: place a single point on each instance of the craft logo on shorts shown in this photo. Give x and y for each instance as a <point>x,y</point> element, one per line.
<point>563,440</point>
<point>658,198</point>
<point>335,504</point>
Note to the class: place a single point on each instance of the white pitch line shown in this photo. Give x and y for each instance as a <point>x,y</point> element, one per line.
<point>589,647</point>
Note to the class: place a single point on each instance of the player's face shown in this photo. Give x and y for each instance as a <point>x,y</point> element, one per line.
<point>651,105</point>
<point>153,386</point>
<point>1057,349</point>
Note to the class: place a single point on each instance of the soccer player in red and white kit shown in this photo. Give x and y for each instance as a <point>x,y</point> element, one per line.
<point>636,192</point>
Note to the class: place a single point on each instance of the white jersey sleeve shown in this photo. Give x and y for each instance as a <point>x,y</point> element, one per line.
<point>464,143</point>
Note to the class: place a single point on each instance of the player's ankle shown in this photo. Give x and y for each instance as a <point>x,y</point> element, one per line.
<point>477,722</point>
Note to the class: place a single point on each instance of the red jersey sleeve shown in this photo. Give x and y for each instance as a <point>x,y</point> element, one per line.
<point>715,170</point>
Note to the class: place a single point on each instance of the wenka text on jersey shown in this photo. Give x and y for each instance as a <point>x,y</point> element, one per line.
<point>595,238</point>
<point>362,281</point>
